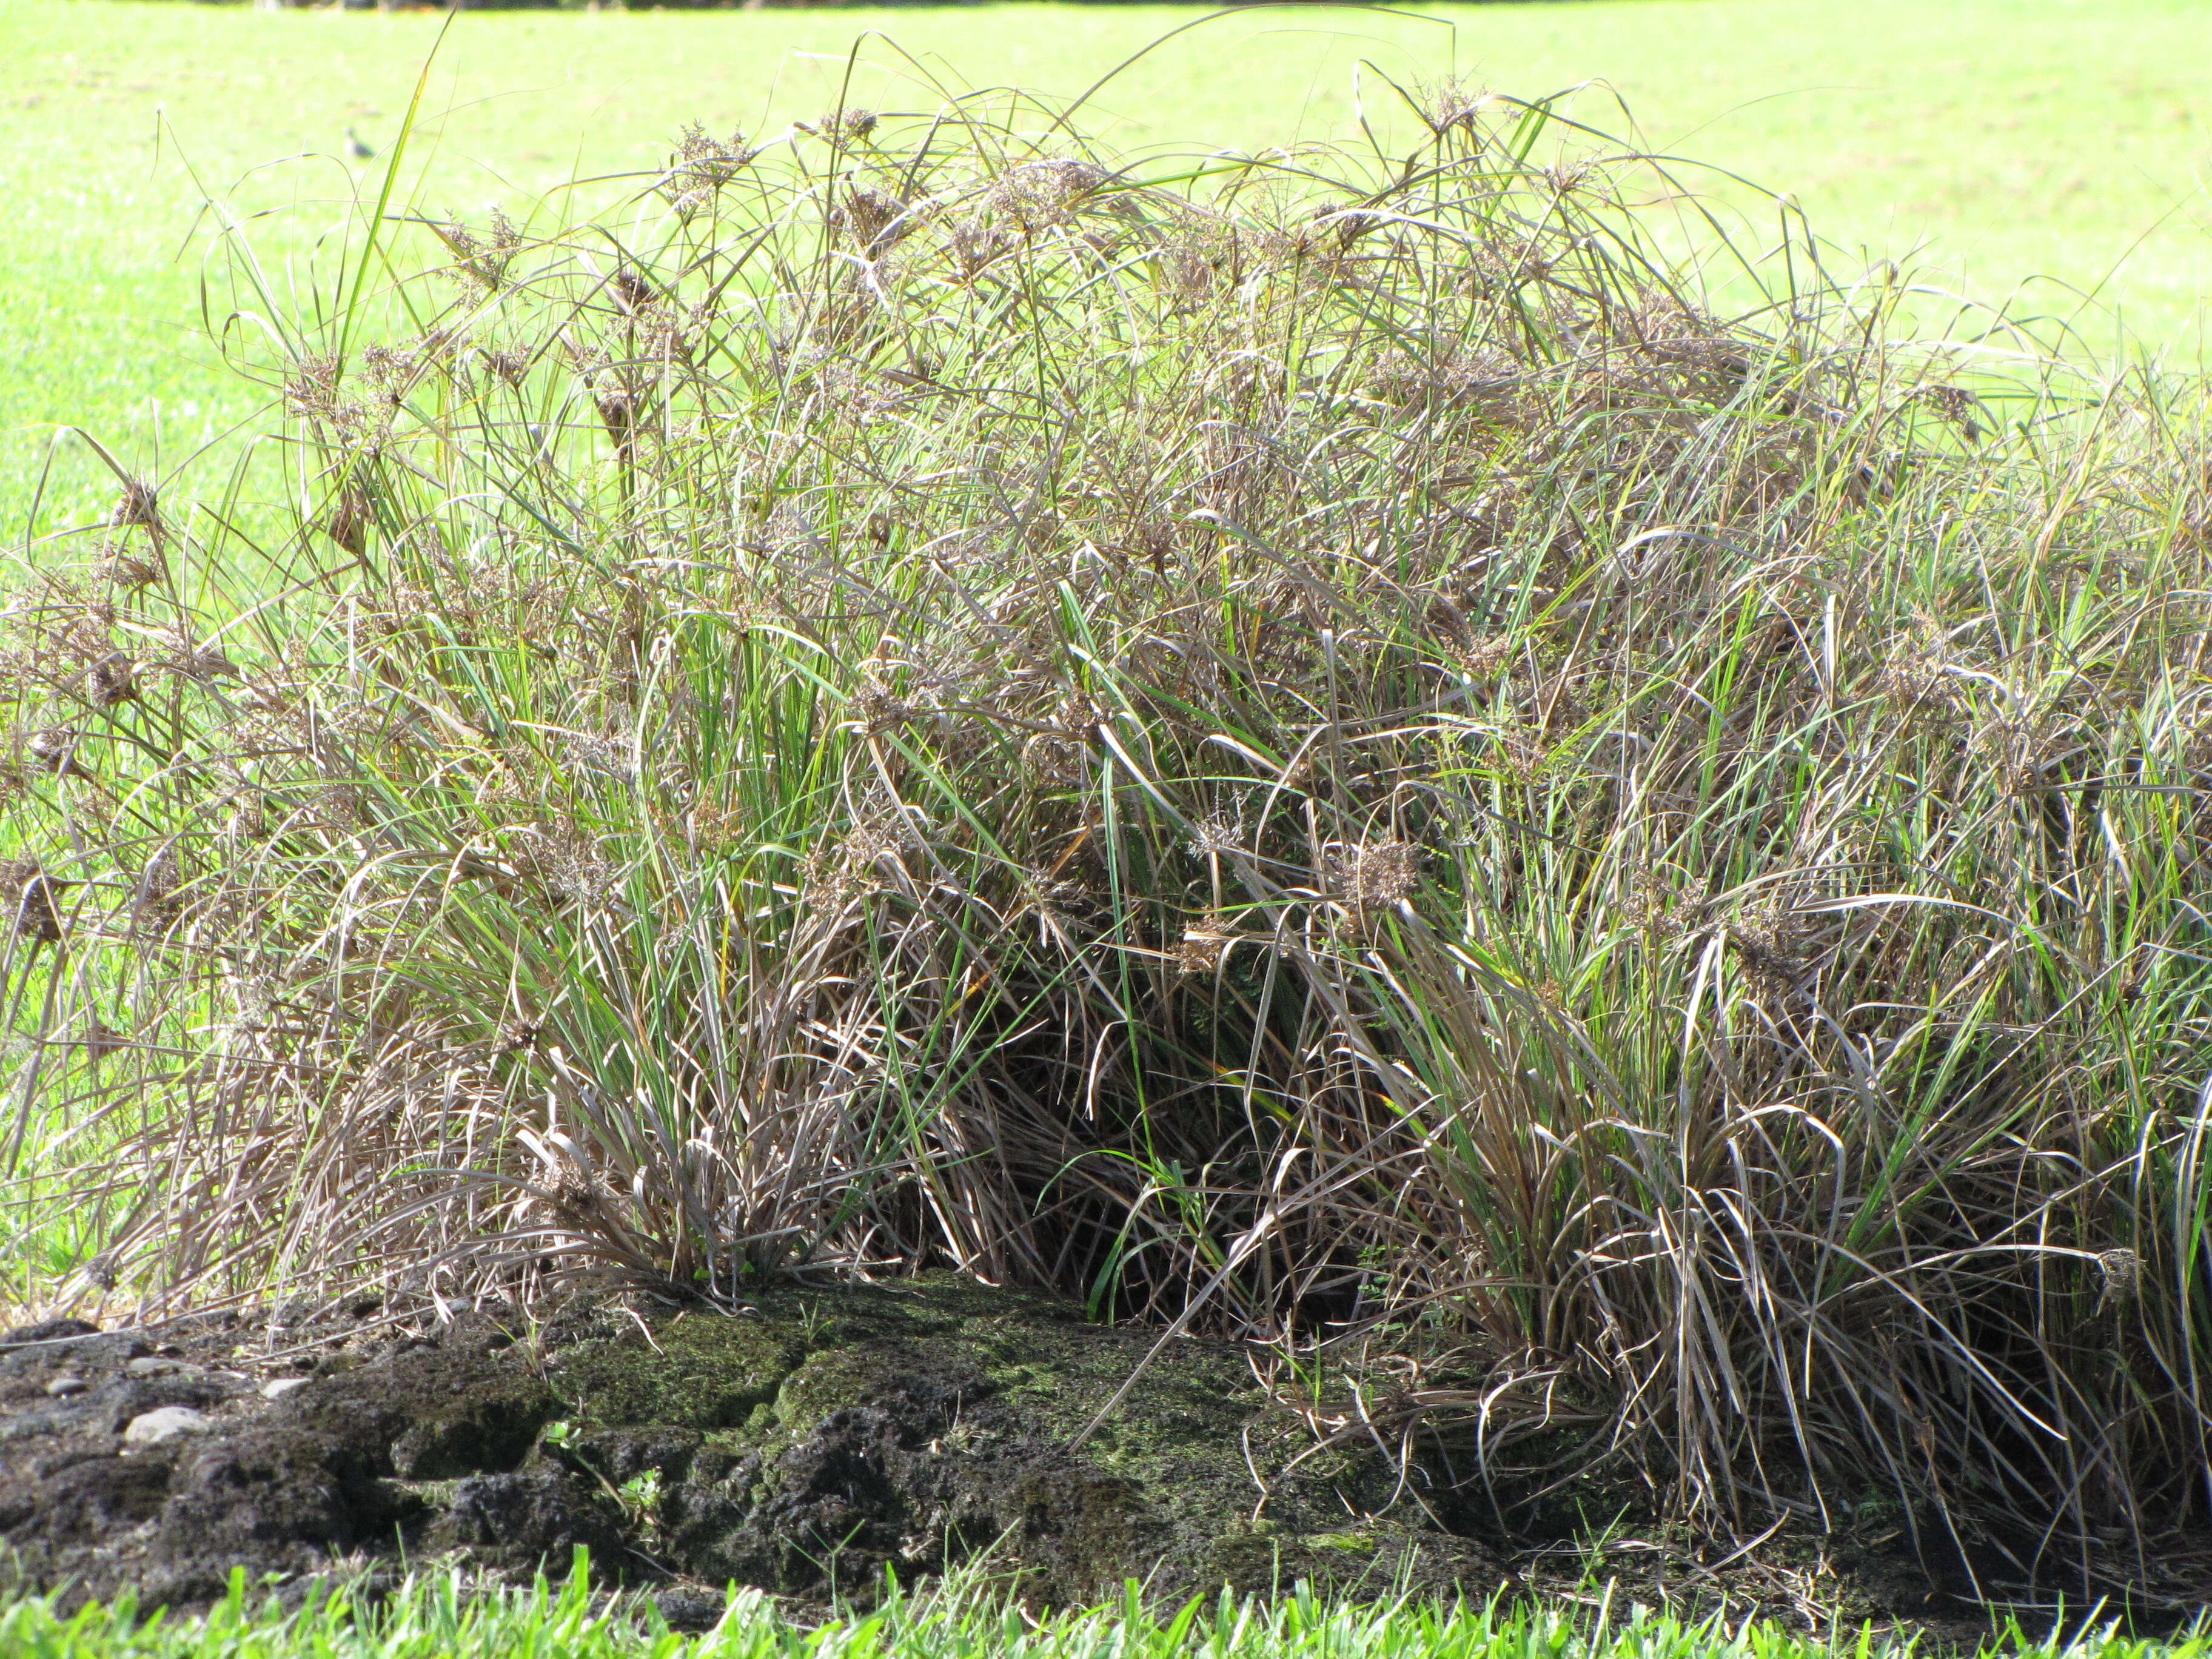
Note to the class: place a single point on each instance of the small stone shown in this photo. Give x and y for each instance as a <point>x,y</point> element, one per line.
<point>277,1387</point>
<point>152,1365</point>
<point>67,1384</point>
<point>158,1428</point>
<point>691,1611</point>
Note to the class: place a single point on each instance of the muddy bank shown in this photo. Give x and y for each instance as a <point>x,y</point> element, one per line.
<point>807,1447</point>
<point>804,1447</point>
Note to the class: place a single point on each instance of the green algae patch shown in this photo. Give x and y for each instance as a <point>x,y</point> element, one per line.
<point>822,1440</point>
<point>836,1380</point>
<point>1357,1543</point>
<point>700,1371</point>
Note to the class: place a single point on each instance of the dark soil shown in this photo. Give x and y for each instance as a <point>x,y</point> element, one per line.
<point>804,1447</point>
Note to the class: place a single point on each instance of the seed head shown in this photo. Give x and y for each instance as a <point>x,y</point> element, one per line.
<point>974,244</point>
<point>1211,836</point>
<point>1376,875</point>
<point>349,522</point>
<point>54,749</point>
<point>1453,103</point>
<point>1037,195</point>
<point>1565,178</point>
<point>702,168</point>
<point>876,710</point>
<point>1204,945</point>
<point>1655,907</point>
<point>1451,379</point>
<point>476,259</point>
<point>1957,406</point>
<point>510,364</point>
<point>139,507</point>
<point>311,390</point>
<point>875,219</point>
<point>2121,1271</point>
<point>133,573</point>
<point>1485,659</point>
<point>632,291</point>
<point>390,369</point>
<point>1771,945</point>
<point>1914,683</point>
<point>38,910</point>
<point>847,126</point>
<point>112,681</point>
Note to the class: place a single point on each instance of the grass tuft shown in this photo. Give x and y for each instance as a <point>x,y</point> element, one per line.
<point>1309,745</point>
<point>962,1618</point>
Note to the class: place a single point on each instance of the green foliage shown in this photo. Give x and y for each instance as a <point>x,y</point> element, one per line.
<point>440,1618</point>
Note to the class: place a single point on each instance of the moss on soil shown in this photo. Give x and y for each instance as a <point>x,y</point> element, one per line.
<point>826,1437</point>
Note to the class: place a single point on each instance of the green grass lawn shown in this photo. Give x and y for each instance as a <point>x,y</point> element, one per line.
<point>2009,139</point>
<point>435,1619</point>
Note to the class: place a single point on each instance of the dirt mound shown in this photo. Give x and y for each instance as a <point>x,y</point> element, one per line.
<point>805,1446</point>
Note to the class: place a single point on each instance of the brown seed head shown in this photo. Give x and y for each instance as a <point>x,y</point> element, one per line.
<point>631,291</point>
<point>475,259</point>
<point>1376,874</point>
<point>510,364</point>
<point>1204,945</point>
<point>111,681</point>
<point>1956,406</point>
<point>139,507</point>
<point>311,390</point>
<point>1452,103</point>
<point>875,219</point>
<point>54,749</point>
<point>349,519</point>
<point>849,126</point>
<point>1771,944</point>
<point>132,572</point>
<point>702,168</point>
<point>2121,1271</point>
<point>877,710</point>
<point>38,895</point>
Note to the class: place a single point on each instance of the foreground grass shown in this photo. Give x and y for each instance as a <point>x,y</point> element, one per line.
<point>435,1619</point>
<point>2025,137</point>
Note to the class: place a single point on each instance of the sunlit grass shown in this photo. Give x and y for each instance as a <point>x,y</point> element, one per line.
<point>436,1619</point>
<point>2025,138</point>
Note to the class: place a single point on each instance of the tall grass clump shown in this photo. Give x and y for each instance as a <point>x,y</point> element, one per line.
<point>1306,746</point>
